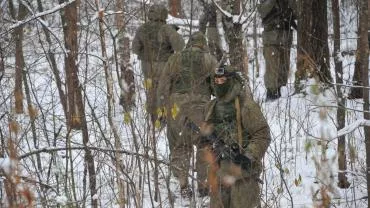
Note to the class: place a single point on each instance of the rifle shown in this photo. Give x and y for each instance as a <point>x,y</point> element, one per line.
<point>221,150</point>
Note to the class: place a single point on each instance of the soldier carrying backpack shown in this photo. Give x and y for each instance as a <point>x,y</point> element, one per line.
<point>154,42</point>
<point>184,90</point>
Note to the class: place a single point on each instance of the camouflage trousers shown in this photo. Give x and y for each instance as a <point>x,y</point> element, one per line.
<point>277,66</point>
<point>244,193</point>
<point>181,138</point>
<point>152,72</point>
<point>276,51</point>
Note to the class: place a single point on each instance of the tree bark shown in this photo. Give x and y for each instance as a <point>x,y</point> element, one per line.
<point>19,59</point>
<point>77,117</point>
<point>342,162</point>
<point>356,91</point>
<point>175,8</point>
<point>234,37</point>
<point>363,50</point>
<point>53,64</point>
<point>123,65</point>
<point>70,29</point>
<point>313,50</point>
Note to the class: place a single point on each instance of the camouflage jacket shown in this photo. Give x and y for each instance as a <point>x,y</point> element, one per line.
<point>278,14</point>
<point>156,41</point>
<point>172,73</point>
<point>221,113</point>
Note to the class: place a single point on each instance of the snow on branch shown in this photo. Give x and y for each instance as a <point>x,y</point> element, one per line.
<point>237,19</point>
<point>350,128</point>
<point>105,150</point>
<point>225,13</point>
<point>38,15</point>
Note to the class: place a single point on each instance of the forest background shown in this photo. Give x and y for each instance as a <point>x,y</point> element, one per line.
<point>73,126</point>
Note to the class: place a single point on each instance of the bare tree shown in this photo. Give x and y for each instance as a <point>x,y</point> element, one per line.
<point>125,71</point>
<point>76,109</point>
<point>342,162</point>
<point>234,34</point>
<point>52,61</point>
<point>312,46</point>
<point>19,59</point>
<point>363,51</point>
<point>175,8</point>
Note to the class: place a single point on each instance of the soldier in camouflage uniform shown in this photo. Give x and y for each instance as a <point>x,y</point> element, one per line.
<point>154,42</point>
<point>277,19</point>
<point>185,89</point>
<point>238,188</point>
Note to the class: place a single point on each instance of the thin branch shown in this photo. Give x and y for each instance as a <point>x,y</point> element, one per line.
<point>51,150</point>
<point>38,15</point>
<point>350,128</point>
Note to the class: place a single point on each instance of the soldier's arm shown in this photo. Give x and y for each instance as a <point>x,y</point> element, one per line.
<point>258,129</point>
<point>176,41</point>
<point>210,63</point>
<point>164,85</point>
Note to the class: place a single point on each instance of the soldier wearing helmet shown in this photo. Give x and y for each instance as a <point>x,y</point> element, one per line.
<point>237,120</point>
<point>154,42</point>
<point>184,90</point>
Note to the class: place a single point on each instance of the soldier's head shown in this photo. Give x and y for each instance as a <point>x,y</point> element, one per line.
<point>222,83</point>
<point>158,12</point>
<point>197,39</point>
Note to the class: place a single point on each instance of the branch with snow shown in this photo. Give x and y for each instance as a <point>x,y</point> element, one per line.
<point>38,15</point>
<point>56,149</point>
<point>350,128</point>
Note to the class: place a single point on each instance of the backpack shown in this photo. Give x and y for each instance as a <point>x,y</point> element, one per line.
<point>191,77</point>
<point>153,47</point>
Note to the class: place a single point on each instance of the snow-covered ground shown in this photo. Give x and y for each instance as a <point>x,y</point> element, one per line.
<point>300,162</point>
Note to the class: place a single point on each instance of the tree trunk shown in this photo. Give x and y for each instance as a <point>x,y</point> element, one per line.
<point>312,50</point>
<point>342,162</point>
<point>234,37</point>
<point>19,59</point>
<point>356,91</point>
<point>69,21</point>
<point>363,50</point>
<point>175,8</point>
<point>53,63</point>
<point>77,118</point>
<point>123,65</point>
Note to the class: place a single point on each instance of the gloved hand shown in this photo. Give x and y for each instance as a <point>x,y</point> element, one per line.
<point>244,162</point>
<point>161,117</point>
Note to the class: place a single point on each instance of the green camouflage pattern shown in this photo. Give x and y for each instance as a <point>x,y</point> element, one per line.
<point>277,40</point>
<point>277,59</point>
<point>245,193</point>
<point>154,43</point>
<point>220,112</point>
<point>158,12</point>
<point>183,105</point>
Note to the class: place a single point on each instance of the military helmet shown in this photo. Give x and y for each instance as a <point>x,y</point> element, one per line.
<point>224,70</point>
<point>197,39</point>
<point>158,12</point>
